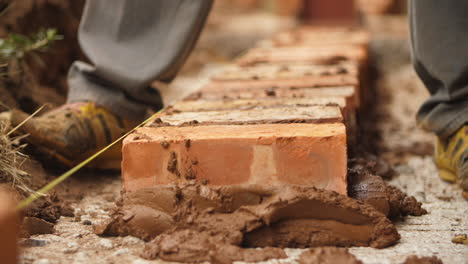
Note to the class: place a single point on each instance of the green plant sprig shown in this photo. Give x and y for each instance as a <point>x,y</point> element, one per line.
<point>16,46</point>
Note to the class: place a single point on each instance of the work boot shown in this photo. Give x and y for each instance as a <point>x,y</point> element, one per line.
<point>74,132</point>
<point>451,158</point>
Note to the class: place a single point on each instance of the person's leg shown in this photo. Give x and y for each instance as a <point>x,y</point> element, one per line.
<point>439,42</point>
<point>440,54</point>
<point>131,43</point>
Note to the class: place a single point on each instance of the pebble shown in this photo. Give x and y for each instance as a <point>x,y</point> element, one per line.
<point>81,258</point>
<point>79,212</point>
<point>26,259</point>
<point>53,238</point>
<point>87,222</point>
<point>78,235</point>
<point>82,255</point>
<point>29,242</point>
<point>140,261</point>
<point>106,243</point>
<point>121,251</point>
<point>130,240</point>
<point>42,261</point>
<point>94,210</point>
<point>71,247</point>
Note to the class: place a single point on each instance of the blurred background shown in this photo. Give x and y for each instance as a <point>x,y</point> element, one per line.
<point>38,78</point>
<point>234,25</point>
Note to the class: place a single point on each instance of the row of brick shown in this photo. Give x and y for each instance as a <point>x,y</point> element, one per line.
<point>281,114</point>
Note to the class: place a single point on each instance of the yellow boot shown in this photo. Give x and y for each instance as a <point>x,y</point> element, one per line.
<point>451,158</point>
<point>74,132</point>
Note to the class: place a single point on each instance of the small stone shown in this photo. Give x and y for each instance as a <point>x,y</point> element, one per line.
<point>77,235</point>
<point>26,259</point>
<point>130,240</point>
<point>42,261</point>
<point>121,251</point>
<point>53,238</point>
<point>87,222</point>
<point>36,226</point>
<point>79,212</point>
<point>140,261</point>
<point>81,257</point>
<point>106,243</point>
<point>29,242</point>
<point>71,247</point>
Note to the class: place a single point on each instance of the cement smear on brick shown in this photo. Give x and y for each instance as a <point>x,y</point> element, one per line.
<point>186,223</point>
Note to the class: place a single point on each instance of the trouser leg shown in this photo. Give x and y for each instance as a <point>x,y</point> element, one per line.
<point>131,43</point>
<point>439,39</point>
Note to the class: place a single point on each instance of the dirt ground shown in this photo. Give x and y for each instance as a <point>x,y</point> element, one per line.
<point>401,144</point>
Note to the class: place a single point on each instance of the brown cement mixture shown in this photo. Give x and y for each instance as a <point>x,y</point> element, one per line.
<point>422,260</point>
<point>372,189</point>
<point>328,255</point>
<point>196,223</point>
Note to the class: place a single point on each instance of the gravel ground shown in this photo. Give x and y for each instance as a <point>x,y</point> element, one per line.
<point>75,242</point>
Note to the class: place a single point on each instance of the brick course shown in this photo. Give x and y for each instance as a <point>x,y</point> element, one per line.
<point>275,117</point>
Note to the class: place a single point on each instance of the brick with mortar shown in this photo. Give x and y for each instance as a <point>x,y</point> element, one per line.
<point>219,105</point>
<point>322,54</point>
<point>318,36</point>
<point>284,75</point>
<point>271,154</point>
<point>347,92</point>
<point>303,82</point>
<point>282,71</point>
<point>300,114</point>
<point>246,104</point>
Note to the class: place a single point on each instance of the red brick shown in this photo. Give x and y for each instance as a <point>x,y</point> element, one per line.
<point>292,70</point>
<point>273,154</point>
<point>219,105</point>
<point>349,114</point>
<point>9,229</point>
<point>318,36</point>
<point>305,82</point>
<point>317,54</point>
<point>299,76</point>
<point>347,92</point>
<point>300,114</point>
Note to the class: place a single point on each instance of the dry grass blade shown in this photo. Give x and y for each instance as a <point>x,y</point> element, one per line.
<point>11,160</point>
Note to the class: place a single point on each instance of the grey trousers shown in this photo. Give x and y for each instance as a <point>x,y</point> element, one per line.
<point>131,43</point>
<point>439,39</point>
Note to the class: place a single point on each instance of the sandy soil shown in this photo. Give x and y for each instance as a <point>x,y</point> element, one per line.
<point>400,93</point>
